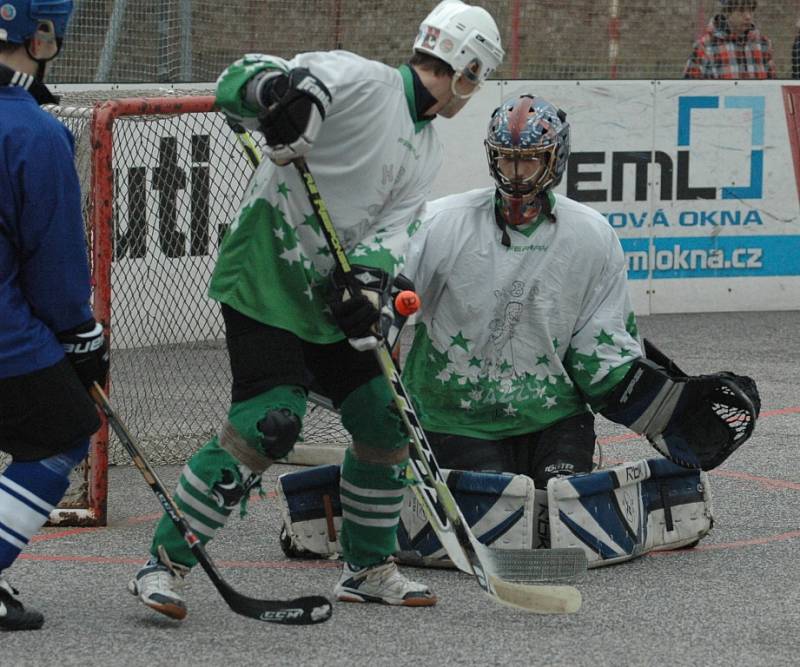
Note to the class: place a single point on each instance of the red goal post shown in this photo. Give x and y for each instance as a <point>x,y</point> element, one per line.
<point>161,179</point>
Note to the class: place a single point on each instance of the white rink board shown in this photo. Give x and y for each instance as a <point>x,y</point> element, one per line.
<point>738,249</point>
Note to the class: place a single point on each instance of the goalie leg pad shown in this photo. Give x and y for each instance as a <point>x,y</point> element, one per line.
<point>498,507</point>
<point>623,512</point>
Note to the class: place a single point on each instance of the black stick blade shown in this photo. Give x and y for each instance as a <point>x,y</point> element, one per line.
<point>300,611</point>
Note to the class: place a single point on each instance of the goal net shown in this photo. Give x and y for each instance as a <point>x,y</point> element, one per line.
<point>161,178</point>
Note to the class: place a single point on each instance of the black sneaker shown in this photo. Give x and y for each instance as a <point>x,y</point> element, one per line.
<point>13,616</point>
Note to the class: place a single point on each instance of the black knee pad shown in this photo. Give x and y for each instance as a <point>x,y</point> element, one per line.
<point>279,431</point>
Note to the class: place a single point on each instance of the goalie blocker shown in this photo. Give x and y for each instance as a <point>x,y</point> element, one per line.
<point>612,515</point>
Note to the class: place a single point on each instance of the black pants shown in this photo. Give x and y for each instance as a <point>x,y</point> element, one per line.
<point>263,357</point>
<point>565,448</point>
<point>45,413</point>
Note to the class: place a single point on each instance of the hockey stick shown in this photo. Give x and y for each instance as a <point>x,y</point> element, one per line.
<point>464,549</point>
<point>300,611</point>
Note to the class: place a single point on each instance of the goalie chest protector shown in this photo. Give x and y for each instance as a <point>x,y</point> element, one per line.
<point>499,509</point>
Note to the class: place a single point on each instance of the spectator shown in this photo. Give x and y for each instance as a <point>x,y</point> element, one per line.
<point>732,47</point>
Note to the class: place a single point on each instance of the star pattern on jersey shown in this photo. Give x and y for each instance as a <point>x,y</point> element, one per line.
<point>604,338</point>
<point>291,252</point>
<point>459,341</point>
<point>313,222</point>
<point>490,391</point>
<point>284,190</point>
<point>630,325</point>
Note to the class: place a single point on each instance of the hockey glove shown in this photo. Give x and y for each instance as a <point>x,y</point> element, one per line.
<point>695,422</point>
<point>295,104</point>
<point>87,351</point>
<point>364,318</point>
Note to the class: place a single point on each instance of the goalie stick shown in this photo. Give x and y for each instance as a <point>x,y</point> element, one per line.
<point>468,554</point>
<point>300,611</point>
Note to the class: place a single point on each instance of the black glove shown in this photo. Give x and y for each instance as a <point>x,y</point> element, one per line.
<point>364,317</point>
<point>87,351</point>
<point>295,104</point>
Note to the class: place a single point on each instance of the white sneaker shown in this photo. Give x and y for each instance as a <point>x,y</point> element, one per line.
<point>159,584</point>
<point>381,583</point>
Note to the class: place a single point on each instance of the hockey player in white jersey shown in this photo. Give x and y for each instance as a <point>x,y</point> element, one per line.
<point>365,130</point>
<point>527,326</point>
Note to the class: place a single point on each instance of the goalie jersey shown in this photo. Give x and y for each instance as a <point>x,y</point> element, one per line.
<point>513,339</point>
<point>274,262</point>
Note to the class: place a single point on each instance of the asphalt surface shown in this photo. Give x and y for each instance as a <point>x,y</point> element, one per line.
<point>734,600</point>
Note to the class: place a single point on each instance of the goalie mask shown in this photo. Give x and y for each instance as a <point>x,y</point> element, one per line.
<point>465,37</point>
<point>527,146</point>
<point>21,21</point>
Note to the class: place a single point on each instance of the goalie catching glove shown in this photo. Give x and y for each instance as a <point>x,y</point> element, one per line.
<point>364,317</point>
<point>87,351</point>
<point>295,104</point>
<point>694,421</point>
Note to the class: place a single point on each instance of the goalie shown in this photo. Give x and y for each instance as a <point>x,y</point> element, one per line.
<point>527,323</point>
<point>526,328</point>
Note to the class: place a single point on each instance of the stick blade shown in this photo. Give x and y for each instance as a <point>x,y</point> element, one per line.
<point>541,599</point>
<point>307,610</point>
<point>530,566</point>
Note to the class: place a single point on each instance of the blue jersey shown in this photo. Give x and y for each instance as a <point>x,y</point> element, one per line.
<point>44,268</point>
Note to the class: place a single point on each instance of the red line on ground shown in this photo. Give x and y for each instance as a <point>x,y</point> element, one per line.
<point>779,411</point>
<point>756,541</point>
<point>763,481</point>
<point>245,565</point>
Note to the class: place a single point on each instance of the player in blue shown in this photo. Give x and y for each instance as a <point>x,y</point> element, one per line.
<point>51,347</point>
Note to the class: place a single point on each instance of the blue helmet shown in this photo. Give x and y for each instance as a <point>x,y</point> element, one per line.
<point>523,128</point>
<point>20,19</point>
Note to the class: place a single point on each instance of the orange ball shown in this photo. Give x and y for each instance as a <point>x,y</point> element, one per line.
<point>407,303</point>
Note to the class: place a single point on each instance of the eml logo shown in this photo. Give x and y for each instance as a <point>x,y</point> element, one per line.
<point>756,105</point>
<point>671,164</point>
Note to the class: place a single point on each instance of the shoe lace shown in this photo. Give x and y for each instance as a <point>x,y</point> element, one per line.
<point>178,571</point>
<point>387,574</point>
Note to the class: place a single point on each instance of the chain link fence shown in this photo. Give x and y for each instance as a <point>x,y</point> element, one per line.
<point>194,40</point>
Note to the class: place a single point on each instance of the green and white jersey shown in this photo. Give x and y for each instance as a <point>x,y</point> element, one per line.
<point>373,161</point>
<point>513,339</point>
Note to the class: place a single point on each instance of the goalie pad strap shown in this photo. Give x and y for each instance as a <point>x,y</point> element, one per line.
<point>232,442</point>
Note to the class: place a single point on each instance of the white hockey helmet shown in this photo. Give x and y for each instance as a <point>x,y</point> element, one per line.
<point>463,36</point>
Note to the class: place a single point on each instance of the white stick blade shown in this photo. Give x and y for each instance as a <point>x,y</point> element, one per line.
<point>538,599</point>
